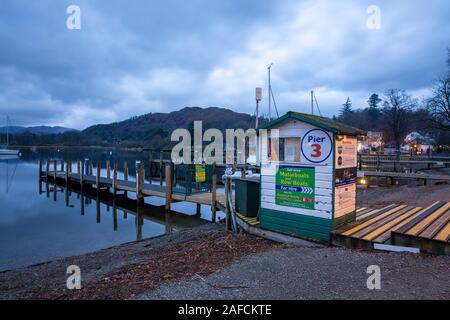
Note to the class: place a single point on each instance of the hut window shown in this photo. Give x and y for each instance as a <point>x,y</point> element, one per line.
<point>273,152</point>
<point>288,149</point>
<point>291,149</point>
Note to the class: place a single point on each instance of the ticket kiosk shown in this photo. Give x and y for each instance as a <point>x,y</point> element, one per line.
<point>308,175</point>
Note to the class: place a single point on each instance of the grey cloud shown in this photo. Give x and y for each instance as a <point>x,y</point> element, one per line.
<point>208,53</point>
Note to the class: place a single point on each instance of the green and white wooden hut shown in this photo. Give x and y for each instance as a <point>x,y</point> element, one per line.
<point>308,182</point>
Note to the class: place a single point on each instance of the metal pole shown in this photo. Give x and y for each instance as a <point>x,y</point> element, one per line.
<point>312,102</point>
<point>257,114</point>
<point>269,95</point>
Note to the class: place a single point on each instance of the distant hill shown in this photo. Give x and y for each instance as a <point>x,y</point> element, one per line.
<point>149,130</point>
<point>154,129</point>
<point>36,130</point>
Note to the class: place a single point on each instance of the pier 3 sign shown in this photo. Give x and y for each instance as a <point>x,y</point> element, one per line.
<point>295,186</point>
<point>316,146</point>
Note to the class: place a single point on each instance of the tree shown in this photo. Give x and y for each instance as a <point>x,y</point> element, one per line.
<point>373,113</point>
<point>439,105</point>
<point>346,112</point>
<point>448,58</point>
<point>397,108</point>
<point>374,101</point>
<point>346,108</point>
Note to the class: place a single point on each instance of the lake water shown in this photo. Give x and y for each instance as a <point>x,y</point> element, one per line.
<point>37,227</point>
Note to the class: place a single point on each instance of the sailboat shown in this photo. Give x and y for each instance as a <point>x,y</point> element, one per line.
<point>5,151</point>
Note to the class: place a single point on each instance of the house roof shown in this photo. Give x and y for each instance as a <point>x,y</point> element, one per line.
<point>321,122</point>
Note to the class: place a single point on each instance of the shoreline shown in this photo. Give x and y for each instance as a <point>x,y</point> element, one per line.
<point>191,262</point>
<point>208,263</point>
<point>94,264</point>
<point>48,280</point>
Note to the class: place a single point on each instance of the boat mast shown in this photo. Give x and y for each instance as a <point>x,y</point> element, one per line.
<point>270,93</point>
<point>7,131</point>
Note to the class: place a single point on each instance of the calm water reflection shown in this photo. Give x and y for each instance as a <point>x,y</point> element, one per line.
<point>38,227</point>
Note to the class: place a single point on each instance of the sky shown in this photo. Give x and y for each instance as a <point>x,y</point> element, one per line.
<point>135,57</point>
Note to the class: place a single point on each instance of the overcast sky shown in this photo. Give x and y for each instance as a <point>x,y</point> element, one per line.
<point>133,57</point>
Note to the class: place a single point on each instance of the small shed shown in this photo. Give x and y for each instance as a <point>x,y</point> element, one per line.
<point>308,175</point>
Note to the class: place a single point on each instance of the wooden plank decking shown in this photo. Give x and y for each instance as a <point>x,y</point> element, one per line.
<point>425,228</point>
<point>148,189</point>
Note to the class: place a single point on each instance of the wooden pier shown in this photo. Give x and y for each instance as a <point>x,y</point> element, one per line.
<point>121,203</point>
<point>60,173</point>
<point>393,176</point>
<point>400,225</point>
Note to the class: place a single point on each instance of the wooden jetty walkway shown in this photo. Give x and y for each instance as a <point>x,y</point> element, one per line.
<point>425,228</point>
<point>383,162</point>
<point>393,176</point>
<point>61,173</point>
<point>126,205</point>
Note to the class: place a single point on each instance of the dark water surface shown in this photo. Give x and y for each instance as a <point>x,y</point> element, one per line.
<point>38,227</point>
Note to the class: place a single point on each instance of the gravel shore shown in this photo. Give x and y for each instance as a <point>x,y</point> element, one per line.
<point>318,273</point>
<point>32,281</point>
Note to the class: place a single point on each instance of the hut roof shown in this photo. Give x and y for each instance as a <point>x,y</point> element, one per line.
<point>321,122</point>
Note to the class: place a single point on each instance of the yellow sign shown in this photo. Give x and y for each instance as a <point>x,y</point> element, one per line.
<point>200,173</point>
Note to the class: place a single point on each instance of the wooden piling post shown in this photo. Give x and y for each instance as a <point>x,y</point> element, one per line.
<point>174,182</point>
<point>82,203</point>
<point>198,209</point>
<point>168,188</point>
<point>161,155</point>
<point>115,221</point>
<point>90,168</point>
<point>55,192</point>
<point>78,167</point>
<point>139,222</point>
<point>67,196</point>
<point>67,174</point>
<point>40,176</point>
<point>125,171</point>
<point>62,165</point>
<point>55,169</point>
<point>97,176</point>
<point>108,169</point>
<point>40,170</point>
<point>97,208</point>
<point>47,169</point>
<point>125,174</point>
<point>213,197</point>
<point>139,183</point>
<point>150,161</point>
<point>227,204</point>
<point>115,178</point>
<point>82,175</point>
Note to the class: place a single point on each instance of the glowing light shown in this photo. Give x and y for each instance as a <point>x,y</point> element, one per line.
<point>359,147</point>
